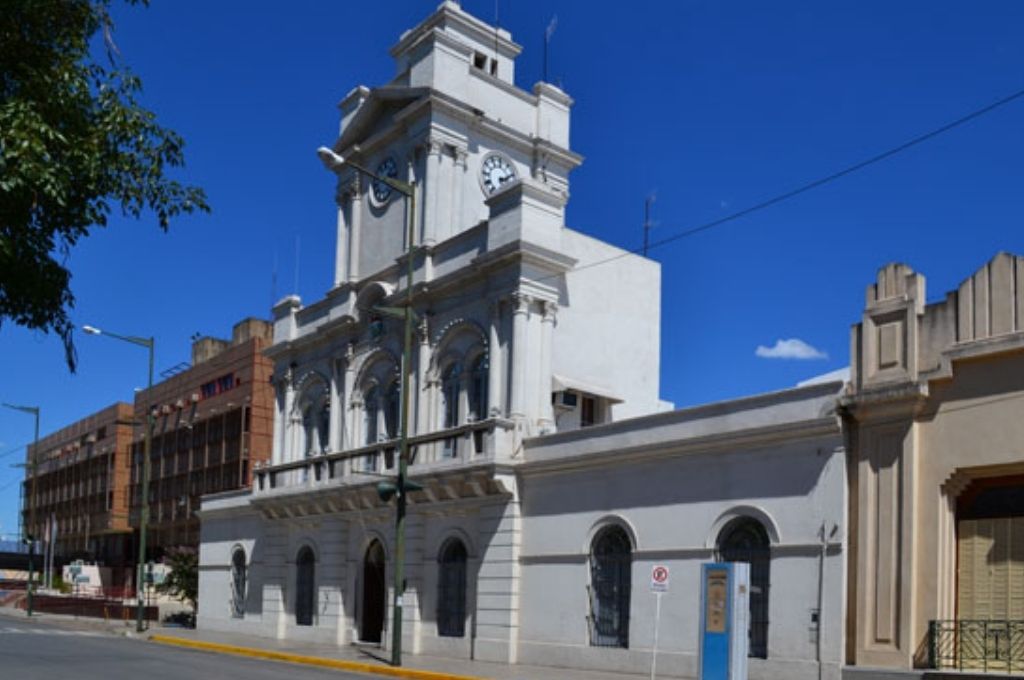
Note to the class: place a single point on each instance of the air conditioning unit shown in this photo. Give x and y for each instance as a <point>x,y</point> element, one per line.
<point>565,400</point>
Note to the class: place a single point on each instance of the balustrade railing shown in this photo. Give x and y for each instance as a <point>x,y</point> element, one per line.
<point>467,443</point>
<point>972,645</point>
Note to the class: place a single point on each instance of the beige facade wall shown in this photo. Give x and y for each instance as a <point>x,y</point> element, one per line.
<point>934,403</point>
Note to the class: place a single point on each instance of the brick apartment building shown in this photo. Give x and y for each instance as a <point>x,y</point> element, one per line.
<point>214,421</point>
<point>81,489</point>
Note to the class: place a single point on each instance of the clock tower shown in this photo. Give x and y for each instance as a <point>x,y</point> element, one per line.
<point>453,121</point>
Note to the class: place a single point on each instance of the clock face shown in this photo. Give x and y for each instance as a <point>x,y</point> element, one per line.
<point>495,172</point>
<point>382,190</point>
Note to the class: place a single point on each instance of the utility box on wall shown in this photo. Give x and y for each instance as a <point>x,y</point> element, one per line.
<point>724,620</point>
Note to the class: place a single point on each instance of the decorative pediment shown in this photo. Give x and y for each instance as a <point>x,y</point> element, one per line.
<point>377,113</point>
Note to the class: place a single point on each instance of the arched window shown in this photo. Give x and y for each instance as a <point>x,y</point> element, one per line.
<point>611,557</point>
<point>450,386</point>
<point>392,409</point>
<point>314,408</point>
<point>305,587</point>
<point>309,430</point>
<point>451,589</point>
<point>745,540</point>
<point>238,576</point>
<point>478,388</point>
<point>323,425</point>
<point>450,379</point>
<point>371,408</point>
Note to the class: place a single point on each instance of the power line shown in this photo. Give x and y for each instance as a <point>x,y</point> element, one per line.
<point>13,449</point>
<point>850,169</point>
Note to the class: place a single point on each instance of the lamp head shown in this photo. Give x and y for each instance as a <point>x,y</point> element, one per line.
<point>91,330</point>
<point>331,160</point>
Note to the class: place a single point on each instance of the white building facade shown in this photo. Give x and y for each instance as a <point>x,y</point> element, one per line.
<point>553,475</point>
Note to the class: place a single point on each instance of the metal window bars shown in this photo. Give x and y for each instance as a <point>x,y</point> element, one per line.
<point>976,645</point>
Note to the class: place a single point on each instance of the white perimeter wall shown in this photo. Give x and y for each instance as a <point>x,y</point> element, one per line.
<point>675,508</point>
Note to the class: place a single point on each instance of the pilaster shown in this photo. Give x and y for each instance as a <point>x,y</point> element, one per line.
<point>495,361</point>
<point>546,417</point>
<point>355,226</point>
<point>519,354</point>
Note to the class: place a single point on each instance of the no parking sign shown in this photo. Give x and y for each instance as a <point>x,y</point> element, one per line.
<point>659,578</point>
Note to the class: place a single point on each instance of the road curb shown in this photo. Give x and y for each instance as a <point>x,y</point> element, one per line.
<point>356,666</point>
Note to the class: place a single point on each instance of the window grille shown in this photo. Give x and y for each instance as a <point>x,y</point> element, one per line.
<point>451,590</point>
<point>745,540</point>
<point>238,577</point>
<point>610,584</point>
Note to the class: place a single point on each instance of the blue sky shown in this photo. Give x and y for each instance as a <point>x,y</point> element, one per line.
<point>713,106</point>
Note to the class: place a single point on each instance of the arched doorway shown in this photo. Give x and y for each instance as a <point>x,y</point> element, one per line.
<point>374,594</point>
<point>745,540</point>
<point>451,589</point>
<point>305,587</point>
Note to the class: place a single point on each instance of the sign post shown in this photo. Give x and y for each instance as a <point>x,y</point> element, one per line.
<point>659,586</point>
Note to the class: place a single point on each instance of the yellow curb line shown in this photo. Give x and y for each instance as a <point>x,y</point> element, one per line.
<point>357,666</point>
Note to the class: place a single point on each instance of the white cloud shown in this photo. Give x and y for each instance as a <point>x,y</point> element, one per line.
<point>794,348</point>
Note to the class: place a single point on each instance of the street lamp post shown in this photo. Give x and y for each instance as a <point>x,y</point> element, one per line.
<point>334,162</point>
<point>29,534</point>
<point>148,343</point>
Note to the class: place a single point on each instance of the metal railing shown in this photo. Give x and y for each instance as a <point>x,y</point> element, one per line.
<point>472,442</point>
<point>972,645</point>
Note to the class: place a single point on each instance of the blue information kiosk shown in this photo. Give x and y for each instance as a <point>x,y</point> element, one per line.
<point>724,620</point>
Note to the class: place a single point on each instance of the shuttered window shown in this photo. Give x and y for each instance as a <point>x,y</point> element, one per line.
<point>990,577</point>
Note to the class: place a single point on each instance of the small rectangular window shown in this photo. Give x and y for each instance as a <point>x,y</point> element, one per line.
<point>494,67</point>
<point>480,60</point>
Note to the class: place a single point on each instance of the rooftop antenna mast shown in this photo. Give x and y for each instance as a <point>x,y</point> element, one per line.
<point>273,282</point>
<point>548,32</point>
<point>647,220</point>
<point>297,242</point>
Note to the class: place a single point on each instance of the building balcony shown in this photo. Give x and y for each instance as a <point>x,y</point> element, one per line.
<point>469,445</point>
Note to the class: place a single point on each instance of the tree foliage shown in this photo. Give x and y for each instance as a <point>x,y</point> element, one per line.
<point>74,144</point>
<point>182,581</point>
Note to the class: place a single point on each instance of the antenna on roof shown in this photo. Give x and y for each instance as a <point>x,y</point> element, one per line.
<point>548,32</point>
<point>273,282</point>
<point>647,220</point>
<point>295,290</point>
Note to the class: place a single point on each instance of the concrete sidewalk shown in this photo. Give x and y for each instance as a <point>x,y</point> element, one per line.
<point>359,659</point>
<point>373,660</point>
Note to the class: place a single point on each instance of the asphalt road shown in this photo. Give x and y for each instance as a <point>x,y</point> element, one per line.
<point>38,650</point>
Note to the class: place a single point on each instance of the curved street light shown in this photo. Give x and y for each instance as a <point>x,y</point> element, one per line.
<point>334,162</point>
<point>29,535</point>
<point>149,344</point>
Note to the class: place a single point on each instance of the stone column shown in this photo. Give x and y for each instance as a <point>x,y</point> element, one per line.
<point>458,181</point>
<point>337,422</point>
<point>545,411</point>
<point>348,431</point>
<point>277,455</point>
<point>422,401</point>
<point>519,354</point>
<point>355,225</point>
<point>434,229</point>
<point>341,253</point>
<point>288,439</point>
<point>494,362</point>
